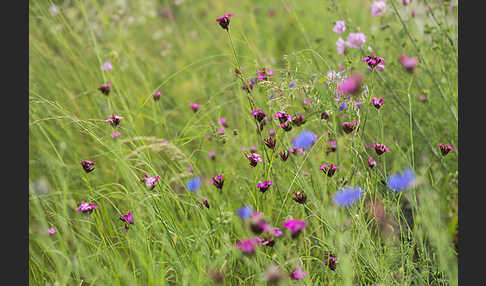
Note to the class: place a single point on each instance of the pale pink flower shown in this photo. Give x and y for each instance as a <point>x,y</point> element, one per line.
<point>340,27</point>
<point>378,8</point>
<point>355,40</point>
<point>340,45</point>
<point>51,230</point>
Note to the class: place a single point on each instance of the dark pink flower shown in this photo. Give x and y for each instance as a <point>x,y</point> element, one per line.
<point>105,88</point>
<point>299,197</point>
<point>445,148</point>
<point>374,61</point>
<point>371,162</point>
<point>380,148</point>
<point>88,166</point>
<point>263,186</point>
<point>349,127</point>
<point>157,95</point>
<point>127,219</point>
<point>87,207</point>
<point>194,106</point>
<point>222,121</point>
<point>409,63</point>
<point>270,142</point>
<point>284,155</point>
<point>295,226</point>
<point>248,245</point>
<point>377,102</point>
<point>149,181</point>
<point>254,158</point>
<point>224,21</point>
<point>350,85</point>
<point>115,134</point>
<point>329,169</point>
<point>299,274</point>
<point>51,231</point>
<point>114,120</point>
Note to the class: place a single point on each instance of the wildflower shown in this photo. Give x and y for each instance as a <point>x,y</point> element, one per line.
<point>300,197</point>
<point>295,226</point>
<point>304,140</point>
<point>378,8</point>
<point>253,148</point>
<point>401,181</point>
<point>408,63</point>
<point>51,231</point>
<point>224,21</point>
<point>298,119</point>
<point>115,134</point>
<point>149,181</point>
<point>413,13</point>
<point>329,169</point>
<point>105,88</point>
<point>273,275</point>
<point>284,155</point>
<point>282,116</point>
<point>212,155</point>
<point>347,196</point>
<point>88,166</point>
<point>254,158</point>
<point>263,74</point>
<point>384,26</point>
<point>332,147</point>
<point>355,40</point>
<point>307,101</point>
<point>445,148</point>
<point>422,97</point>
<point>350,85</point>
<point>248,245</point>
<point>263,186</point>
<point>268,240</point>
<point>371,162</point>
<point>258,224</point>
<point>114,120</point>
<point>218,181</point>
<point>157,95</point>
<point>406,2</point>
<point>270,142</point>
<point>377,102</point>
<point>248,86</point>
<point>208,137</point>
<point>380,148</point>
<point>194,106</point>
<point>127,219</point>
<point>244,212</point>
<point>87,207</point>
<point>286,126</point>
<point>271,132</point>
<point>374,61</point>
<point>299,274</point>
<point>331,262</point>
<point>107,66</point>
<point>221,131</point>
<point>205,202</point>
<point>54,9</point>
<point>292,84</point>
<point>325,115</point>
<point>339,27</point>
<point>349,127</point>
<point>340,46</point>
<point>222,121</point>
<point>194,184</point>
<point>343,106</point>
<point>277,232</point>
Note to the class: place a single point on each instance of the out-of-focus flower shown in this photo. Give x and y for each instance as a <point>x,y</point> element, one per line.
<point>298,119</point>
<point>194,184</point>
<point>401,181</point>
<point>325,115</point>
<point>340,46</point>
<point>216,276</point>
<point>88,166</point>
<point>347,196</point>
<point>212,155</point>
<point>115,134</point>
<point>349,127</point>
<point>295,226</point>
<point>224,21</point>
<point>222,121</point>
<point>271,132</point>
<point>304,140</point>
<point>292,84</point>
<point>194,106</point>
<point>343,106</point>
<point>51,231</point>
<point>105,88</point>
<point>445,148</point>
<point>409,64</point>
<point>339,27</point>
<point>355,40</point>
<point>86,207</point>
<point>331,262</point>
<point>157,95</point>
<point>248,245</point>
<point>332,147</point>
<point>406,2</point>
<point>107,66</point>
<point>149,181</point>
<point>378,8</point>
<point>54,9</point>
<point>204,202</point>
<point>273,275</point>
<point>350,85</point>
<point>384,26</point>
<point>244,212</point>
<point>284,155</point>
<point>299,274</point>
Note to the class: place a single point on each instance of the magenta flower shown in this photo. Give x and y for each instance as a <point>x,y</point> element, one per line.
<point>115,134</point>
<point>408,63</point>
<point>194,106</point>
<point>258,114</point>
<point>205,202</point>
<point>298,119</point>
<point>295,226</point>
<point>377,102</point>
<point>149,181</point>
<point>282,116</point>
<point>248,245</point>
<point>127,219</point>
<point>378,8</point>
<point>51,231</point>
<point>114,120</point>
<point>270,142</point>
<point>157,95</point>
<point>299,274</point>
<point>87,207</point>
<point>258,224</point>
<point>221,131</point>
<point>350,85</point>
<point>374,61</point>
<point>349,127</point>
<point>253,148</point>
<point>445,148</point>
<point>299,197</point>
<point>340,46</point>
<point>371,162</point>
<point>263,186</point>
<point>218,181</point>
<point>105,88</point>
<point>88,166</point>
<point>263,74</point>
<point>284,155</point>
<point>212,155</point>
<point>380,148</point>
<point>224,21</point>
<point>271,132</point>
<point>329,169</point>
<point>222,121</point>
<point>107,66</point>
<point>355,40</point>
<point>331,262</point>
<point>406,2</point>
<point>340,27</point>
<point>254,158</point>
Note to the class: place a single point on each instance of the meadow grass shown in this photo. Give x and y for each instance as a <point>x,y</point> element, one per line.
<point>179,49</point>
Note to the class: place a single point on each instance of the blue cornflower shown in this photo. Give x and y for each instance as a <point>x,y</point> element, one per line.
<point>343,106</point>
<point>244,212</point>
<point>347,196</point>
<point>292,83</point>
<point>401,181</point>
<point>193,184</point>
<point>305,139</point>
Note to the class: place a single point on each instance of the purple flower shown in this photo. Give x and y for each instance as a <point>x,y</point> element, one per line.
<point>378,8</point>
<point>299,197</point>
<point>248,245</point>
<point>380,148</point>
<point>377,102</point>
<point>127,218</point>
<point>51,231</point>
<point>107,66</point>
<point>221,131</point>
<point>329,169</point>
<point>253,148</point>
<point>445,148</point>
<point>270,142</point>
<point>263,186</point>
<point>115,134</point>
<point>271,132</point>
<point>340,46</point>
<point>254,158</point>
<point>263,74</point>
<point>87,207</point>
<point>222,121</point>
<point>292,84</point>
<point>343,106</point>
<point>355,40</point>
<point>401,181</point>
<point>347,196</point>
<point>406,2</point>
<point>350,85</point>
<point>299,274</point>
<point>340,27</point>
<point>304,140</point>
<point>244,212</point>
<point>218,181</point>
<point>371,162</point>
<point>374,61</point>
<point>258,114</point>
<point>157,95</point>
<point>224,21</point>
<point>88,166</point>
<point>384,26</point>
<point>105,88</point>
<point>149,181</point>
<point>114,120</point>
<point>349,127</point>
<point>212,155</point>
<point>295,226</point>
<point>408,63</point>
<point>284,155</point>
<point>331,262</point>
<point>194,106</point>
<point>194,184</point>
